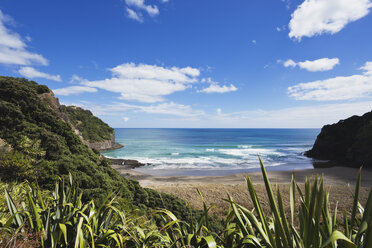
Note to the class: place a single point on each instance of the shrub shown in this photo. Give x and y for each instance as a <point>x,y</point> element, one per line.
<point>63,219</point>
<point>15,166</point>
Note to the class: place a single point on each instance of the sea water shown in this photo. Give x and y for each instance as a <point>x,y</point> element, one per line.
<point>214,151</point>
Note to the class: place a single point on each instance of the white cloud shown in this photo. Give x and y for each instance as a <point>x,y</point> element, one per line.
<point>178,115</point>
<point>76,79</point>
<point>166,108</point>
<point>134,15</point>
<point>73,90</point>
<point>152,10</point>
<point>214,87</point>
<point>367,68</point>
<point>171,108</point>
<point>337,88</point>
<point>125,119</point>
<point>13,49</point>
<point>146,83</point>
<point>323,64</point>
<point>293,117</point>
<point>315,17</point>
<point>31,72</point>
<point>289,63</point>
<point>281,28</point>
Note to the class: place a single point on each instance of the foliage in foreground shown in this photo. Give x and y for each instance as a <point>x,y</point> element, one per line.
<point>64,220</point>
<point>45,147</point>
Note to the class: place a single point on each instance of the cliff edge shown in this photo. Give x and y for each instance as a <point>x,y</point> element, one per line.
<point>91,130</point>
<point>346,143</point>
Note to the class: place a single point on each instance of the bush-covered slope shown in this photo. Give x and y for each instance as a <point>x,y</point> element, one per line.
<point>92,128</point>
<point>348,142</point>
<point>45,147</point>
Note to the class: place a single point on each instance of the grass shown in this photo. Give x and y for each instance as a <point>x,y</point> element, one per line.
<point>62,219</point>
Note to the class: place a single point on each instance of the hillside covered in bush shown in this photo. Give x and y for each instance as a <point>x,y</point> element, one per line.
<point>92,128</point>
<point>39,145</point>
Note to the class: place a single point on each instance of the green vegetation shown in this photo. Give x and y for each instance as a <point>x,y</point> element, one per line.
<point>57,192</point>
<point>44,148</point>
<point>62,219</point>
<point>92,128</point>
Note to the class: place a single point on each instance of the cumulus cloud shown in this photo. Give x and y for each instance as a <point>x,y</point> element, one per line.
<point>324,64</point>
<point>136,8</point>
<point>13,50</point>
<point>146,83</point>
<point>367,68</point>
<point>289,63</point>
<point>74,90</point>
<point>134,15</point>
<point>315,17</point>
<point>214,87</point>
<point>30,72</point>
<point>152,10</point>
<point>337,88</point>
<point>125,119</point>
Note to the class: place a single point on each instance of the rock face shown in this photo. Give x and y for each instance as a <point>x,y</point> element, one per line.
<point>104,145</point>
<point>53,103</point>
<point>347,143</point>
<point>127,163</point>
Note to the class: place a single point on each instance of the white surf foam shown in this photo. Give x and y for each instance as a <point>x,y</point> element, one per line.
<point>250,152</point>
<point>244,146</point>
<point>202,162</point>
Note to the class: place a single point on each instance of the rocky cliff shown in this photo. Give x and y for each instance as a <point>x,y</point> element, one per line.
<point>92,131</point>
<point>347,143</point>
<point>108,144</point>
<point>38,143</point>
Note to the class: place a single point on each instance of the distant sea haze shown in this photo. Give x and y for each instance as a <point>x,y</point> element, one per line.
<point>214,151</point>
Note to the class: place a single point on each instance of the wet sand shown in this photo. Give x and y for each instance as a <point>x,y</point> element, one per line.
<point>339,182</point>
<point>332,176</point>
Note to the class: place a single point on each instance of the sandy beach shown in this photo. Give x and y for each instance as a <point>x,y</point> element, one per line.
<point>339,182</point>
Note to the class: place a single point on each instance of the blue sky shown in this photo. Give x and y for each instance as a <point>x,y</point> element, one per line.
<point>172,63</point>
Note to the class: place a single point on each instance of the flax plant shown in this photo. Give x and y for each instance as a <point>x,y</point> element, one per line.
<point>317,225</point>
<point>62,219</point>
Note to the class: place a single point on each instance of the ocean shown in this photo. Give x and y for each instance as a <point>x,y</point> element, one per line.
<point>171,152</point>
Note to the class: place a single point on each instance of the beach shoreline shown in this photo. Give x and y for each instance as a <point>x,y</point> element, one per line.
<point>339,182</point>
<point>332,176</point>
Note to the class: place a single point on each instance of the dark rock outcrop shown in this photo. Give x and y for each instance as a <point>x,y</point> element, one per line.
<point>127,163</point>
<point>108,144</point>
<point>347,143</point>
